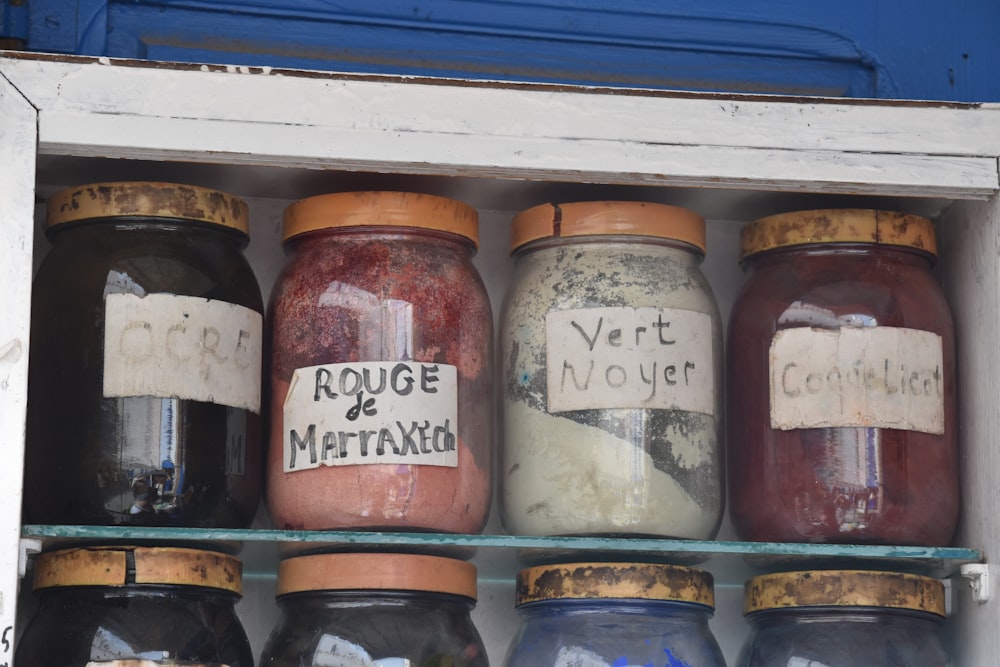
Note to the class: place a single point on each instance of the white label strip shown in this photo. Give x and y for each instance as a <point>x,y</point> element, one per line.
<point>883,377</point>
<point>184,347</point>
<point>371,412</point>
<point>600,358</point>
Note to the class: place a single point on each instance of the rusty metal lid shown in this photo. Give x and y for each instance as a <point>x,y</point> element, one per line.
<point>123,566</point>
<point>602,581</point>
<point>596,218</point>
<point>377,571</point>
<point>844,588</point>
<point>148,199</point>
<point>381,209</point>
<point>847,225</point>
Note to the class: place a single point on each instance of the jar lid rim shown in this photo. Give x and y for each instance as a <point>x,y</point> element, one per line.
<point>845,225</point>
<point>612,580</point>
<point>381,208</point>
<point>844,588</point>
<point>152,199</point>
<point>604,218</point>
<point>126,565</point>
<point>376,571</point>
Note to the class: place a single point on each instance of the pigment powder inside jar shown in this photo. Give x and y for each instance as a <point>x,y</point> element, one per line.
<point>380,366</point>
<point>844,618</point>
<point>144,390</point>
<point>130,606</point>
<point>841,368</point>
<point>614,615</point>
<point>375,610</point>
<point>611,343</point>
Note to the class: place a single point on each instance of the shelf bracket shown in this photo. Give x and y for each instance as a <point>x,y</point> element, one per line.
<point>29,546</point>
<point>978,576</point>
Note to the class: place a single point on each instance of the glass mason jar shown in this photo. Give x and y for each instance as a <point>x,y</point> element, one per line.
<point>844,618</point>
<point>614,615</point>
<point>384,610</point>
<point>145,365</point>
<point>135,605</point>
<point>841,383</point>
<point>381,372</point>
<point>611,344</point>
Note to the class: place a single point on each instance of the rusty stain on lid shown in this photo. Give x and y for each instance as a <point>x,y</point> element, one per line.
<point>110,566</point>
<point>381,209</point>
<point>148,199</point>
<point>844,588</point>
<point>644,581</point>
<point>626,218</point>
<point>848,225</point>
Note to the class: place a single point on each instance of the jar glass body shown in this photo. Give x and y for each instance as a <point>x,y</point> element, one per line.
<point>374,628</point>
<point>863,484</point>
<point>844,637</point>
<point>374,320</point>
<point>612,413</point>
<point>170,625</point>
<point>146,339</point>
<point>561,633</point>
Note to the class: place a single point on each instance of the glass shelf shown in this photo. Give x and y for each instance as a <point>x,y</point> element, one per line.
<point>500,556</point>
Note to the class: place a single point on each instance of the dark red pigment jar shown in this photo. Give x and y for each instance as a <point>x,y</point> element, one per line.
<point>841,383</point>
<point>380,367</point>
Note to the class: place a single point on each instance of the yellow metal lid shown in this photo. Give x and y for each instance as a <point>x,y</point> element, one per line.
<point>109,566</point>
<point>147,199</point>
<point>846,225</point>
<point>381,209</point>
<point>642,581</point>
<point>844,588</point>
<point>377,571</point>
<point>627,218</point>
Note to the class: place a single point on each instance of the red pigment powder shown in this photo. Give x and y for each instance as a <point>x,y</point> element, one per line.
<point>369,294</point>
<point>843,484</point>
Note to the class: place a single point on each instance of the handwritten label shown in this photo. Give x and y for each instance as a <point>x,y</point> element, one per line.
<point>184,347</point>
<point>883,377</point>
<point>629,358</point>
<point>371,412</point>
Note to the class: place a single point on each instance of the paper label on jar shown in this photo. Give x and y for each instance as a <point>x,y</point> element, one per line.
<point>600,358</point>
<point>371,412</point>
<point>882,377</point>
<point>185,347</point>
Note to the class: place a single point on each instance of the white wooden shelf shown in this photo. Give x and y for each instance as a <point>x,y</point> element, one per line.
<point>274,136</point>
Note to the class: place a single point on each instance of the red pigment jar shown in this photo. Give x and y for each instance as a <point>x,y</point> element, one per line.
<point>841,383</point>
<point>380,366</point>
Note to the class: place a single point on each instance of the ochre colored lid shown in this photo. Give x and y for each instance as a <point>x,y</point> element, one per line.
<point>846,225</point>
<point>109,566</point>
<point>643,581</point>
<point>844,588</point>
<point>381,209</point>
<point>378,571</point>
<point>145,199</point>
<point>595,218</point>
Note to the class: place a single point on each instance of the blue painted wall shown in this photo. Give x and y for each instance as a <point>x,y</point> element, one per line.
<point>917,49</point>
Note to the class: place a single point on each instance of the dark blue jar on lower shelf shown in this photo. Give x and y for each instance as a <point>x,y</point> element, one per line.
<point>844,618</point>
<point>614,615</point>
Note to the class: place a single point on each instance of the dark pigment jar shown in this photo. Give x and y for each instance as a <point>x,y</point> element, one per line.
<point>381,380</point>
<point>145,372</point>
<point>388,610</point>
<point>840,618</point>
<point>841,383</point>
<point>613,615</point>
<point>135,606</point>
